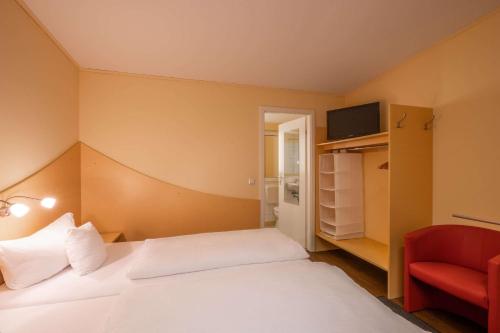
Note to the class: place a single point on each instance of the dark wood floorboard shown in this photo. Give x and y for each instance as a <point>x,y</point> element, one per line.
<point>374,280</point>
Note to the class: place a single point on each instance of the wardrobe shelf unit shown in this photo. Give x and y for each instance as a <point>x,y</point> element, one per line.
<point>396,200</point>
<point>341,195</point>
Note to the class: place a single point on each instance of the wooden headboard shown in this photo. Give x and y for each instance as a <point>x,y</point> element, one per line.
<point>59,179</point>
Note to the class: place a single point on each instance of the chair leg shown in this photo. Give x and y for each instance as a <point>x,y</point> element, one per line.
<point>493,321</point>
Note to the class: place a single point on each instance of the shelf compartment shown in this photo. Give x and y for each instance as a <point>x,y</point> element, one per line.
<point>327,180</point>
<point>367,249</point>
<point>328,229</point>
<point>327,198</point>
<point>328,221</point>
<point>344,231</point>
<point>330,206</point>
<point>331,188</point>
<point>326,163</point>
<point>327,215</point>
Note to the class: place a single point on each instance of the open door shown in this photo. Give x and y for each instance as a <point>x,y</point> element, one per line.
<point>292,179</point>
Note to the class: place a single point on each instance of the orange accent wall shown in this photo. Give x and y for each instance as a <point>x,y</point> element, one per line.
<point>117,198</point>
<point>59,179</point>
<point>460,79</point>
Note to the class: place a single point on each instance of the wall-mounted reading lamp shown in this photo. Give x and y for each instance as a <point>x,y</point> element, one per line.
<point>7,207</point>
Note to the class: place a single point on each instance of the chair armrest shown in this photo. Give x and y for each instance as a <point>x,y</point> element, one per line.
<point>494,280</point>
<point>494,294</point>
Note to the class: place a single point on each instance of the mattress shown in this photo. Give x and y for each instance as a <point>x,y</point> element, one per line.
<point>109,279</point>
<point>294,296</point>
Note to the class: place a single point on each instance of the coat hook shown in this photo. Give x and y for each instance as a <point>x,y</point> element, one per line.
<point>428,125</point>
<point>400,121</point>
<point>384,166</point>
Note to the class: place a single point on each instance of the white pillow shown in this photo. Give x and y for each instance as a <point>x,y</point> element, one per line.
<point>29,260</point>
<point>85,249</point>
<point>191,253</point>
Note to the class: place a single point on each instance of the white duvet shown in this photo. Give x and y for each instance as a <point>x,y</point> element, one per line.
<point>293,296</point>
<point>191,253</point>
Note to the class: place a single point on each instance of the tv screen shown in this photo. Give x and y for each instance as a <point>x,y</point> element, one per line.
<point>353,121</point>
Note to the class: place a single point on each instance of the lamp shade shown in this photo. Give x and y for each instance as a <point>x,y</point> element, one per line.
<point>19,210</point>
<point>48,202</point>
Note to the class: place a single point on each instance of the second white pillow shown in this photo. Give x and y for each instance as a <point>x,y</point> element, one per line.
<point>85,249</point>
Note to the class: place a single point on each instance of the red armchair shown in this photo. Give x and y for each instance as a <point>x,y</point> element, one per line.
<point>454,268</point>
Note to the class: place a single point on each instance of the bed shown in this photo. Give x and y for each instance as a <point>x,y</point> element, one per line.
<point>243,293</point>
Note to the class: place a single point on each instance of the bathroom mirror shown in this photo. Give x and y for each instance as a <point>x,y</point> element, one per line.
<point>291,166</point>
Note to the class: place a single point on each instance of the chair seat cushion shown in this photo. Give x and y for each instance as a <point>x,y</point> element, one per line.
<point>461,282</point>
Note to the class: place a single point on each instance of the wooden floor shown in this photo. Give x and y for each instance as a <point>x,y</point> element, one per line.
<point>374,280</point>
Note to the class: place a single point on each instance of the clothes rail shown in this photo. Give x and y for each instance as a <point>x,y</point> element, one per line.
<point>470,218</point>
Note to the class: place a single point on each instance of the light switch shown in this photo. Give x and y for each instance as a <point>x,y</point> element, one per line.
<point>251,181</point>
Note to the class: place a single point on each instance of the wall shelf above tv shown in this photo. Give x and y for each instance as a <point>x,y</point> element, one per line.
<point>358,142</point>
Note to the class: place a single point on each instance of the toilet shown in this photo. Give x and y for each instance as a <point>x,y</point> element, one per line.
<point>276,212</point>
<point>271,199</point>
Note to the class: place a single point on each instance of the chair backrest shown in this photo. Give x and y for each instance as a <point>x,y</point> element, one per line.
<point>466,246</point>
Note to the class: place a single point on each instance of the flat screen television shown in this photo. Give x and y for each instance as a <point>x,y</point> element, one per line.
<point>353,121</point>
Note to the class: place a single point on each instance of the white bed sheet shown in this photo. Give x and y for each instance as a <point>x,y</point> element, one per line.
<point>83,316</point>
<point>109,279</point>
<point>292,297</point>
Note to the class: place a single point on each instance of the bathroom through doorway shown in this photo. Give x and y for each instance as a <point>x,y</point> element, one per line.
<point>286,182</point>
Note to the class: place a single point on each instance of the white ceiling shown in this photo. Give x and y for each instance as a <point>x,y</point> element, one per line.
<point>321,45</point>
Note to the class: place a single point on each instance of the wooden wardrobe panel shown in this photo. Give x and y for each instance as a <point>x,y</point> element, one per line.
<point>410,183</point>
<point>376,195</point>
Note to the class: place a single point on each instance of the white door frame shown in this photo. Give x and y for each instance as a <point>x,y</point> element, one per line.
<point>311,153</point>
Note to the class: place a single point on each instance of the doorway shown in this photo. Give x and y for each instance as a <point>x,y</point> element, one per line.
<point>286,172</point>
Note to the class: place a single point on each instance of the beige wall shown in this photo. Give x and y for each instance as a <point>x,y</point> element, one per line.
<point>38,96</point>
<point>460,79</point>
<point>199,135</point>
<point>39,118</point>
